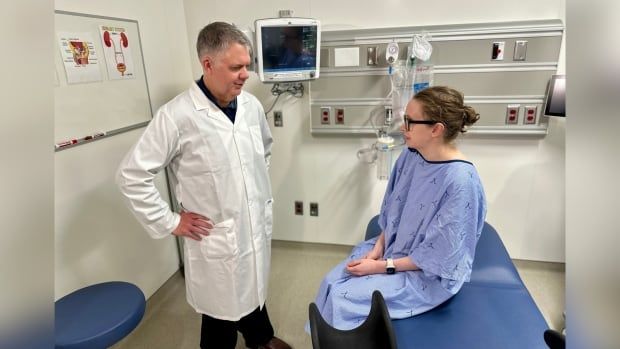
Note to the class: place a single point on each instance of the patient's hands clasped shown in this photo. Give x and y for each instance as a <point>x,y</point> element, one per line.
<point>365,266</point>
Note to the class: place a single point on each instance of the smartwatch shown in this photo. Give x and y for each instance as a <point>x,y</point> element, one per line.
<point>389,267</point>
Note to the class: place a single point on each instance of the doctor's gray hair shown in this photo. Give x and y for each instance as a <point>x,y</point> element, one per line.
<point>217,37</point>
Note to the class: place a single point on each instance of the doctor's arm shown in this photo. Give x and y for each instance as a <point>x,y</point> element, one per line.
<point>136,177</point>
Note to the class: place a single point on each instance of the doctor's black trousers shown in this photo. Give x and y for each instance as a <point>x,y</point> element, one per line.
<point>222,334</point>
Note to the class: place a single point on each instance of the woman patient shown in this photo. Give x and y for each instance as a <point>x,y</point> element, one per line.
<point>431,218</point>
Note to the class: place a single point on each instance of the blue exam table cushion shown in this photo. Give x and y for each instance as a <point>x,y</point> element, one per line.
<point>493,310</point>
<point>492,264</point>
<point>98,316</point>
<point>476,317</point>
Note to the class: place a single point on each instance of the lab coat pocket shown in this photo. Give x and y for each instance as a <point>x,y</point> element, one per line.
<point>221,241</point>
<point>269,218</point>
<point>210,271</point>
<point>257,139</point>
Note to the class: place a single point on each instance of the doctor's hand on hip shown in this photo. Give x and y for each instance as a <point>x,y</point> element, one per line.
<point>193,226</point>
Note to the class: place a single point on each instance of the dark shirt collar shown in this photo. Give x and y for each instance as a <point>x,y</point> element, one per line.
<point>230,110</point>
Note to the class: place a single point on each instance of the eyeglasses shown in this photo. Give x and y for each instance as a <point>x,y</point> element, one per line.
<point>409,122</point>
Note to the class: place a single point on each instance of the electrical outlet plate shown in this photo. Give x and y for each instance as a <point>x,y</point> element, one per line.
<point>512,114</point>
<point>299,208</point>
<point>529,114</point>
<point>277,119</point>
<point>326,115</point>
<point>339,116</point>
<point>314,209</point>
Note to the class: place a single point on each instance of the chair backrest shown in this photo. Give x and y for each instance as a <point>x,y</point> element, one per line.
<point>554,339</point>
<point>375,332</point>
<point>373,229</point>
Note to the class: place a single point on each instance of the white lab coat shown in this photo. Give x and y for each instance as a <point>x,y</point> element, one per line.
<point>218,170</point>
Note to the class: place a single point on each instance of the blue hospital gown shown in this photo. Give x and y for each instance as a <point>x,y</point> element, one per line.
<point>433,212</point>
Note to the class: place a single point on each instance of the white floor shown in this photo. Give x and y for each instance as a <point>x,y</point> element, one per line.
<point>297,269</point>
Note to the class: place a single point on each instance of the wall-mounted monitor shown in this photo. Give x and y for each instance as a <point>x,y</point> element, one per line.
<point>287,49</point>
<point>555,100</point>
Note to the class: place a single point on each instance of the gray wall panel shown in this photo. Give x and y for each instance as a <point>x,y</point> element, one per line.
<point>363,86</point>
<point>462,59</point>
<point>506,83</point>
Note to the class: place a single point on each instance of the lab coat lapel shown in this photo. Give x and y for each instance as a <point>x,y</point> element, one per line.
<point>240,117</point>
<point>202,103</point>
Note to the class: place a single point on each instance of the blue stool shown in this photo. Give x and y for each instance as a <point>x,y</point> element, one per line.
<point>98,316</point>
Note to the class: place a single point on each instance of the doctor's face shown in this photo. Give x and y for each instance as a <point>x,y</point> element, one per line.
<point>226,72</point>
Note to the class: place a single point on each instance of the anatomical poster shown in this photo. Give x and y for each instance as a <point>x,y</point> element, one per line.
<point>79,57</point>
<point>117,49</point>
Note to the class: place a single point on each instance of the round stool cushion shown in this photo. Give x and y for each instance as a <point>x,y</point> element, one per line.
<point>98,316</point>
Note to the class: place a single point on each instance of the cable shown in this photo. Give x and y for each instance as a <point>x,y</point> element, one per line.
<point>272,105</point>
<point>296,89</point>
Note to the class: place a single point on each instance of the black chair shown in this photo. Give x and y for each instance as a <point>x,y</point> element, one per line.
<point>554,339</point>
<point>373,229</point>
<point>375,332</point>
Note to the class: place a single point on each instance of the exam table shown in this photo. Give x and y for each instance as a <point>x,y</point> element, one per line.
<point>493,310</point>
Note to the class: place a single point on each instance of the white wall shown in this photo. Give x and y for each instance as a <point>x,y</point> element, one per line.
<point>524,178</point>
<point>26,240</point>
<point>96,237</point>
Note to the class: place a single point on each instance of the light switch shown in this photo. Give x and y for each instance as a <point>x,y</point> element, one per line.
<point>520,50</point>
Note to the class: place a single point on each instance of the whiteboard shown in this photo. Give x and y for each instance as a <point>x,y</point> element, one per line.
<point>100,81</point>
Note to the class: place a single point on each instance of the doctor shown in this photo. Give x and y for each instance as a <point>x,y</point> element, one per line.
<point>216,141</point>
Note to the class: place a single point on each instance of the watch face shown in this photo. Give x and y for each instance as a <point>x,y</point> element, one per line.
<point>391,270</point>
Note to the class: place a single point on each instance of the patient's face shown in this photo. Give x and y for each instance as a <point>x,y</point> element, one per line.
<point>418,135</point>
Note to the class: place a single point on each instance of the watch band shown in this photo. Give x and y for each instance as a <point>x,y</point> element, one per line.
<point>390,268</point>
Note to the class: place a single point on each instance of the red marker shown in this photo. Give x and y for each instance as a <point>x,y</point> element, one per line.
<point>66,143</point>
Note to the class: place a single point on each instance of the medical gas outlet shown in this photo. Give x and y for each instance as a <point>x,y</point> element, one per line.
<point>388,117</point>
<point>497,53</point>
<point>371,55</point>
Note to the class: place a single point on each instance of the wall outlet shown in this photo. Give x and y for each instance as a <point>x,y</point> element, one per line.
<point>314,209</point>
<point>512,114</point>
<point>299,208</point>
<point>529,114</point>
<point>340,116</point>
<point>277,119</point>
<point>326,113</point>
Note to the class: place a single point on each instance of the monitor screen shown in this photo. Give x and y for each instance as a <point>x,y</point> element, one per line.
<point>555,101</point>
<point>287,49</point>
